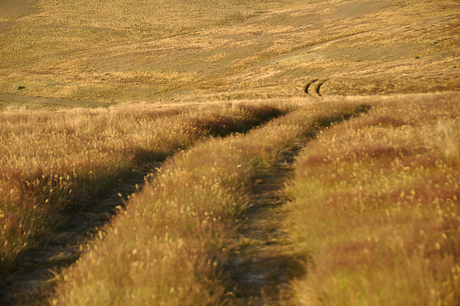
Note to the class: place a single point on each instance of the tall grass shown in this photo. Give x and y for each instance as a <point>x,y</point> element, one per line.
<point>56,165</point>
<point>170,245</point>
<point>375,207</point>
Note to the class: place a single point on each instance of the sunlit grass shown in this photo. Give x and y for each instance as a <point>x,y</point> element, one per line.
<point>170,245</point>
<point>375,207</point>
<point>115,51</point>
<point>53,164</point>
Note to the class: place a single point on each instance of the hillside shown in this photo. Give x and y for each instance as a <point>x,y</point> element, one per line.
<point>229,153</point>
<point>157,51</point>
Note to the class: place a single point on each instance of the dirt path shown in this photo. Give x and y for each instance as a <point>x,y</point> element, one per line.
<point>34,279</point>
<point>262,265</point>
<point>313,87</point>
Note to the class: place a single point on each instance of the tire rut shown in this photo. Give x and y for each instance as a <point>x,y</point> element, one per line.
<point>313,87</point>
<point>262,265</point>
<point>34,279</point>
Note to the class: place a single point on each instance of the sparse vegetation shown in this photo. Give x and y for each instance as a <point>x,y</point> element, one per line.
<point>114,51</point>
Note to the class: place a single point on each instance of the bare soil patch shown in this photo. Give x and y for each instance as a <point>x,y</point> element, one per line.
<point>263,265</point>
<point>12,101</point>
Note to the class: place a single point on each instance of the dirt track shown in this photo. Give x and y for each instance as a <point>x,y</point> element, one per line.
<point>294,50</point>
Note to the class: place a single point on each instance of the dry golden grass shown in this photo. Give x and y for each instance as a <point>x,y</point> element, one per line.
<point>54,165</point>
<point>385,193</point>
<point>116,52</point>
<point>375,207</point>
<point>170,245</point>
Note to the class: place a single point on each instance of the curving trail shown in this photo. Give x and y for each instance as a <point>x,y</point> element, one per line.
<point>308,90</point>
<point>33,279</point>
<point>262,267</point>
<point>313,87</point>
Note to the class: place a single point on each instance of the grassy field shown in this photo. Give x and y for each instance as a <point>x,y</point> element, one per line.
<point>114,51</point>
<point>229,153</point>
<point>380,194</point>
<point>171,243</point>
<point>57,166</point>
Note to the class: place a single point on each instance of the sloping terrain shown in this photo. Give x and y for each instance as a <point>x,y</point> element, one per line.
<point>184,50</point>
<point>202,70</point>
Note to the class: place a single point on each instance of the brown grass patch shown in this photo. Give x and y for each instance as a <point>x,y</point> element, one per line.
<point>381,202</point>
<point>172,242</point>
<point>57,166</point>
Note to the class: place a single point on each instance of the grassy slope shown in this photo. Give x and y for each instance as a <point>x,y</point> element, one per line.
<point>87,53</point>
<point>114,52</point>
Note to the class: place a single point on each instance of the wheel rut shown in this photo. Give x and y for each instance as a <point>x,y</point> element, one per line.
<point>309,84</point>
<point>262,264</point>
<point>313,87</point>
<point>34,278</point>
